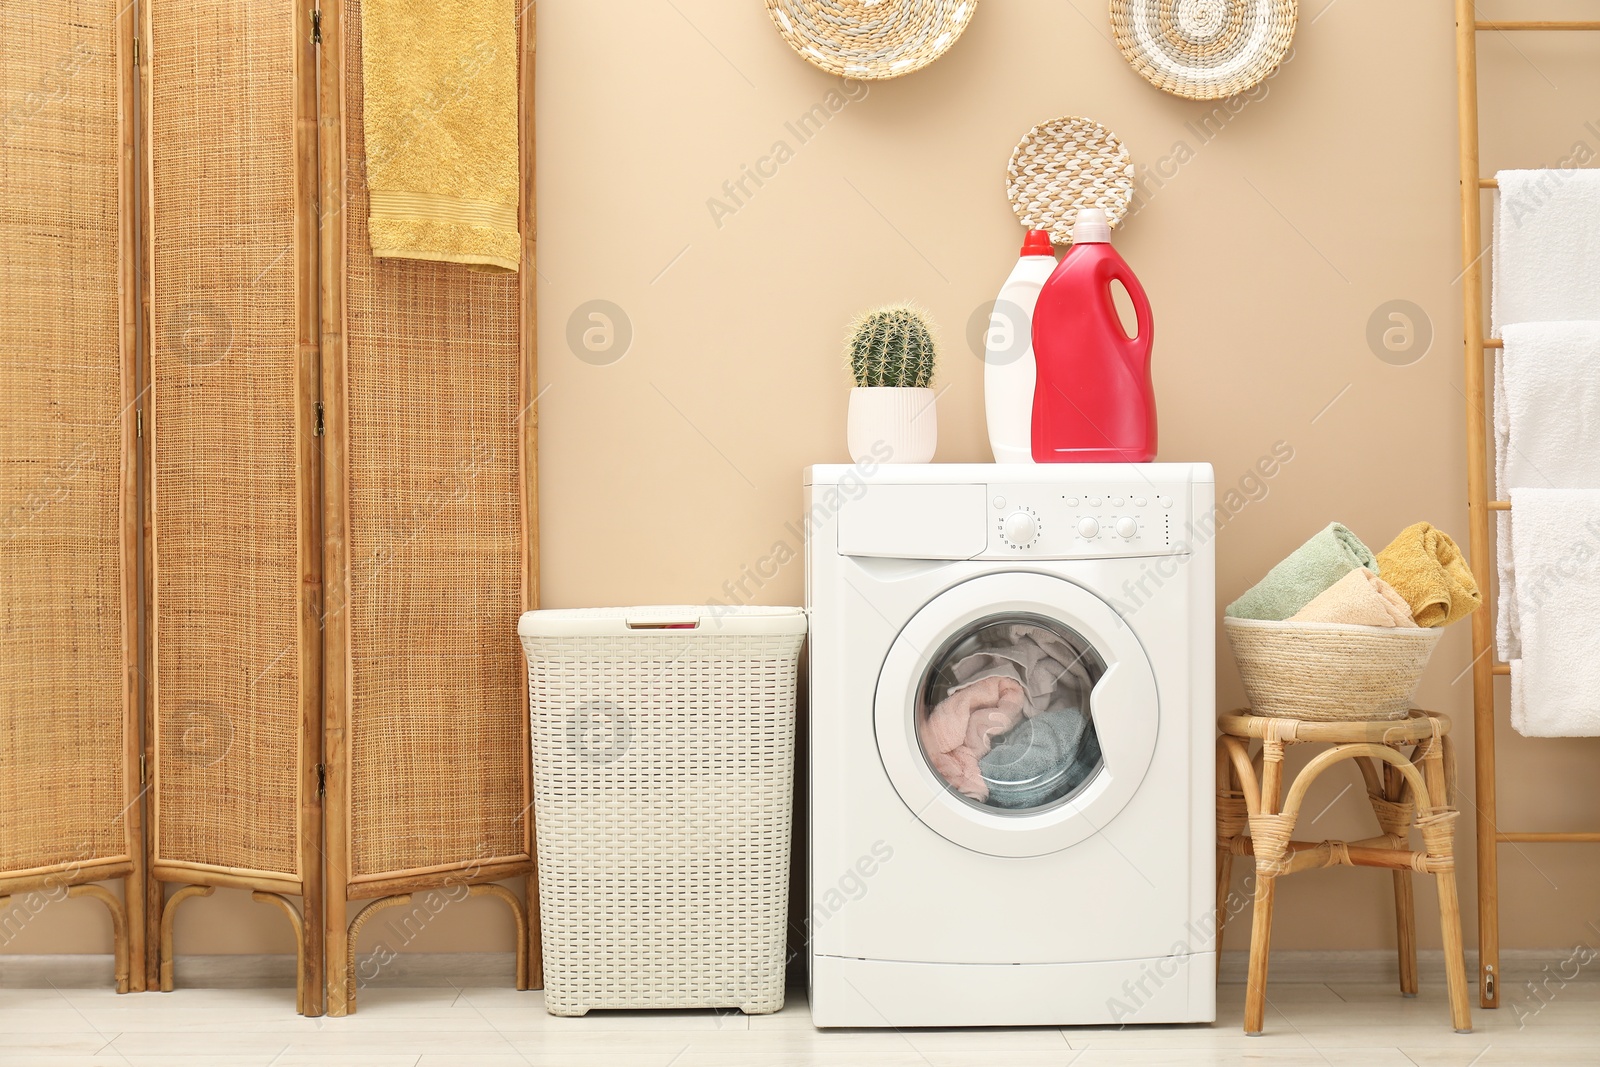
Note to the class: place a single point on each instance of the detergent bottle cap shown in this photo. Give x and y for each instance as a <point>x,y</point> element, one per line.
<point>1038,243</point>
<point>1092,227</point>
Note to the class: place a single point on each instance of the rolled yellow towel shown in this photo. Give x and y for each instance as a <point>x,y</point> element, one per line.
<point>439,100</point>
<point>1425,566</point>
<point>1360,597</point>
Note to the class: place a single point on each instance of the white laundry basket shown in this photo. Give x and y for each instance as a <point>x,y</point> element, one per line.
<point>663,772</point>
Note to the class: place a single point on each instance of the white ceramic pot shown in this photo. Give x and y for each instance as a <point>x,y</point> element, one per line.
<point>905,422</point>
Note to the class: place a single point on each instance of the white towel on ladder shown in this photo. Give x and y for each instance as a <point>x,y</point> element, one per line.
<point>1546,247</point>
<point>1555,685</point>
<point>1546,433</point>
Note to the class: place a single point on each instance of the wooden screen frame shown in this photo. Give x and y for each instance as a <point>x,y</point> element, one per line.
<point>203,879</point>
<point>143,919</point>
<point>78,879</point>
<point>341,927</point>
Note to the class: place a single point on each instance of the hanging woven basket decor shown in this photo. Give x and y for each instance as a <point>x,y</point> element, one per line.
<point>1064,165</point>
<point>1204,49</point>
<point>871,39</point>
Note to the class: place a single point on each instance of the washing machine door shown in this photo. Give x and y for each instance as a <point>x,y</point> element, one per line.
<point>1016,714</point>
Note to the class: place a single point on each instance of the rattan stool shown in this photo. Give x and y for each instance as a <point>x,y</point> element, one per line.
<point>1419,787</point>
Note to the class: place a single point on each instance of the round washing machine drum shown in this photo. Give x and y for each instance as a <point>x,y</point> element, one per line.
<point>1016,714</point>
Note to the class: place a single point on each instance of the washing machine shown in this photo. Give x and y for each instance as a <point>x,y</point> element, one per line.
<point>1012,709</point>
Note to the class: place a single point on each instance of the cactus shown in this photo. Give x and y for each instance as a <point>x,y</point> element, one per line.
<point>892,346</point>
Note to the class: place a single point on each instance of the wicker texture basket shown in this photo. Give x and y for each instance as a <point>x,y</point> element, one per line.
<point>1064,165</point>
<point>1329,672</point>
<point>874,41</point>
<point>1204,49</point>
<point>663,764</point>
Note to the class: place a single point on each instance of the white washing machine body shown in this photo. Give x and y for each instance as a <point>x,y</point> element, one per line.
<point>1093,904</point>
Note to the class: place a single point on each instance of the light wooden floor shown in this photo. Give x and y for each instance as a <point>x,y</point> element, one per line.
<point>56,1012</point>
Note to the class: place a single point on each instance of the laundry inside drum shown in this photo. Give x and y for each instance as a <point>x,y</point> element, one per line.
<point>1002,713</point>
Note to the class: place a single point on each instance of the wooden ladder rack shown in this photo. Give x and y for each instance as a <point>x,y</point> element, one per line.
<point>1479,505</point>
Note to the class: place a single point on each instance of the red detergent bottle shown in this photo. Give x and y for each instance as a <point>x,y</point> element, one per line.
<point>1093,401</point>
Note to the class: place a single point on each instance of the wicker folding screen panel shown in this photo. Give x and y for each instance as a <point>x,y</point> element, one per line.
<point>427,377</point>
<point>70,808</point>
<point>258,323</point>
<point>233,495</point>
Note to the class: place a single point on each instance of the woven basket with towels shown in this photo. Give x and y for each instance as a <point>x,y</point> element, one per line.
<point>1334,633</point>
<point>1330,672</point>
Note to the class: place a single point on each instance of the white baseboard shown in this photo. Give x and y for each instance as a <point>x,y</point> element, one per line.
<point>1379,965</point>
<point>497,968</point>
<point>233,972</point>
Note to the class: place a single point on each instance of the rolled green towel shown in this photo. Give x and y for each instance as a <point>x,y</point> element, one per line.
<point>1328,556</point>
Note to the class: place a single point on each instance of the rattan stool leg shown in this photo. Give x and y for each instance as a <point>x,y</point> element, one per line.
<point>1227,829</point>
<point>1455,963</point>
<point>1405,912</point>
<point>1255,993</point>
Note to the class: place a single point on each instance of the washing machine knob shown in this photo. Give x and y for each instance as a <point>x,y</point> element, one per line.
<point>1021,528</point>
<point>1088,527</point>
<point>1127,527</point>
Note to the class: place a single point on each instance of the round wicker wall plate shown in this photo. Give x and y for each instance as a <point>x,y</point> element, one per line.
<point>872,39</point>
<point>1204,49</point>
<point>1066,164</point>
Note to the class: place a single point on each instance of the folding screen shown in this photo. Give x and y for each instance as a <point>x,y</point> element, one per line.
<point>70,800</point>
<point>428,379</point>
<point>261,324</point>
<point>233,493</point>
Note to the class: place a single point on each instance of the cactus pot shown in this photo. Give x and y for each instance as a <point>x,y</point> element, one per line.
<point>905,420</point>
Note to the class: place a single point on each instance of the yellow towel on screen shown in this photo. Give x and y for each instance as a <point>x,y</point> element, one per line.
<point>439,99</point>
<point>1425,566</point>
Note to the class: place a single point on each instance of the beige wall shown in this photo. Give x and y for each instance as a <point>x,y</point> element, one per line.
<point>669,472</point>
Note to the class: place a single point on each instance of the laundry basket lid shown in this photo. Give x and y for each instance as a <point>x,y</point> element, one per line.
<point>657,619</point>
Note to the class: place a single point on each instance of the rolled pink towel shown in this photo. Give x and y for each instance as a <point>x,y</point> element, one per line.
<point>1360,597</point>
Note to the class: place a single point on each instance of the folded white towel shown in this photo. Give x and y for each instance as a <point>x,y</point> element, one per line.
<point>1546,432</point>
<point>1555,685</point>
<point>1546,247</point>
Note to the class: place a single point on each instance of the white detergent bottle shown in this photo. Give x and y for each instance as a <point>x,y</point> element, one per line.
<point>1008,367</point>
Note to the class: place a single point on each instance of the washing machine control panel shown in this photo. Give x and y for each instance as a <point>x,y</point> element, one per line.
<point>1096,520</point>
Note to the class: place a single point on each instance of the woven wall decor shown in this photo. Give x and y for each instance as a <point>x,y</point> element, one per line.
<point>1066,164</point>
<point>873,39</point>
<point>1204,49</point>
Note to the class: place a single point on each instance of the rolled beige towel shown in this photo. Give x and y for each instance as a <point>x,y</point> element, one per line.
<point>1360,597</point>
